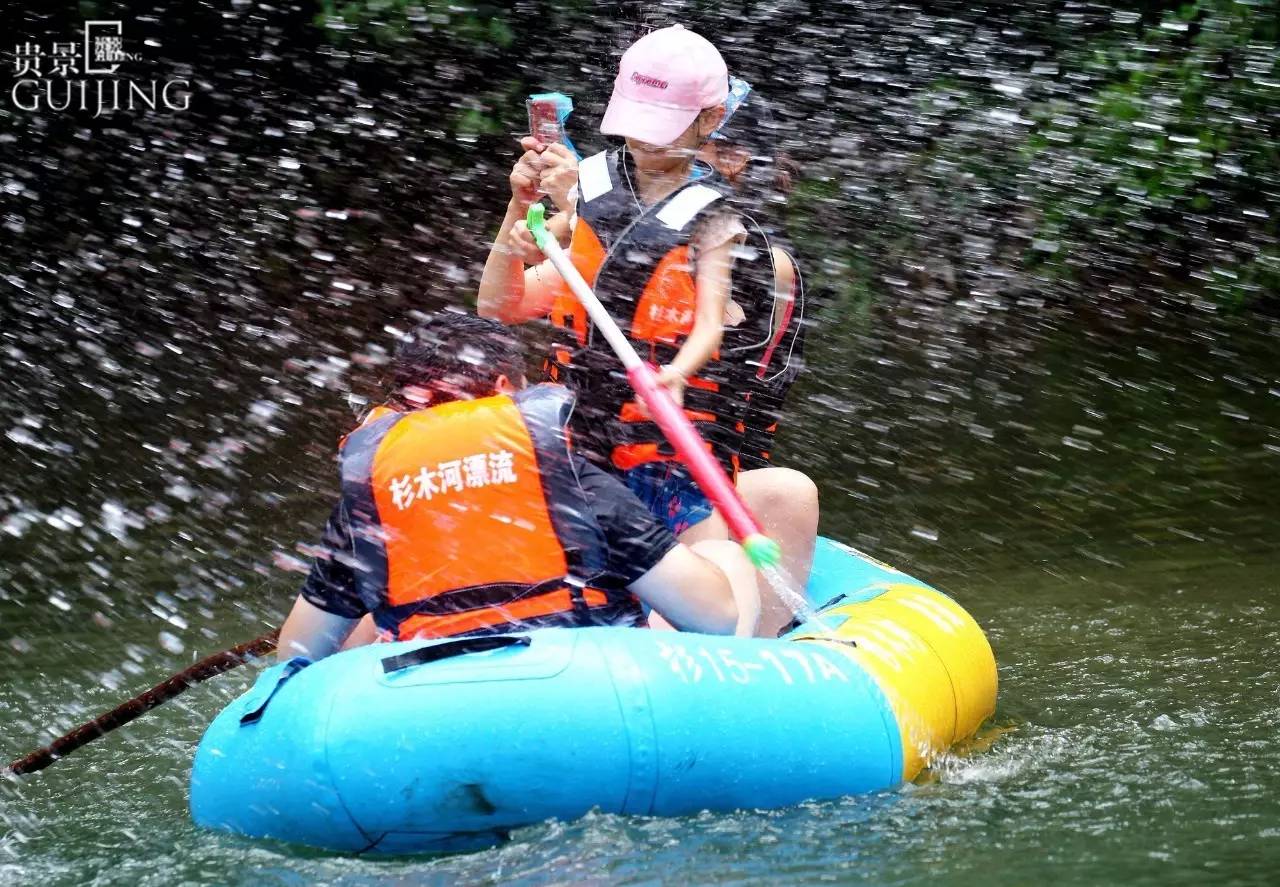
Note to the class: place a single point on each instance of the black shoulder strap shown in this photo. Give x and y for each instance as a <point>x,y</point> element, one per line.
<point>605,202</point>
<point>356,461</point>
<point>546,410</point>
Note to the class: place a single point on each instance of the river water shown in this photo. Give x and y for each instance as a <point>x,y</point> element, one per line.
<point>1101,497</point>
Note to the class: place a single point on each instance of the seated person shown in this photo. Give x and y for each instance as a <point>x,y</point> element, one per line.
<point>464,512</point>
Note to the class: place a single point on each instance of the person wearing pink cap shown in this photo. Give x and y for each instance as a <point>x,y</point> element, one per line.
<point>662,240</point>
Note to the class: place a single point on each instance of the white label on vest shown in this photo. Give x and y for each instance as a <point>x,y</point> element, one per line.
<point>478,470</point>
<point>593,176</point>
<point>685,205</point>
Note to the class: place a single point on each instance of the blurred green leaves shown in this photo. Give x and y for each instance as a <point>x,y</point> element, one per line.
<point>1175,146</point>
<point>1037,149</point>
<point>479,25</point>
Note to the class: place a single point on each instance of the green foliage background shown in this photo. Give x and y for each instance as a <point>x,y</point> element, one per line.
<point>1133,146</point>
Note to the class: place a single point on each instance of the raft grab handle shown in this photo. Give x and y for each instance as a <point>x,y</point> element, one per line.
<point>268,683</point>
<point>449,649</point>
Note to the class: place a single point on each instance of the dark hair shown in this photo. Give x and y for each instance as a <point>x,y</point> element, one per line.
<point>454,356</point>
<point>751,145</point>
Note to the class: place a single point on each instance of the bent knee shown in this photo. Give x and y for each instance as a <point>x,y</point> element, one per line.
<point>780,488</point>
<point>800,488</point>
<point>728,557</point>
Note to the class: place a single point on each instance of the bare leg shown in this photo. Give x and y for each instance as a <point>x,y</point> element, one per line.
<point>733,562</point>
<point>785,502</point>
<point>658,623</point>
<point>713,527</point>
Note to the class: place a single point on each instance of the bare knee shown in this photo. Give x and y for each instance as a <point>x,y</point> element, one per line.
<point>798,488</point>
<point>721,552</point>
<point>781,490</point>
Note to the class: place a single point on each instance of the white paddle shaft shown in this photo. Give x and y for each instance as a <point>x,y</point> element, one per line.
<point>599,316</point>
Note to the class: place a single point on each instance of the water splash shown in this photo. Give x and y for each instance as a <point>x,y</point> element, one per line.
<point>788,591</point>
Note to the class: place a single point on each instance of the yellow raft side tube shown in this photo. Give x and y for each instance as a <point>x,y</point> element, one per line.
<point>931,660</point>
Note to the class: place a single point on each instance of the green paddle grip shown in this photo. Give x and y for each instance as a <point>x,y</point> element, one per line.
<point>537,222</point>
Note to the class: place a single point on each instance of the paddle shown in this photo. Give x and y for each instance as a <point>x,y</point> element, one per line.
<point>206,668</point>
<point>762,550</point>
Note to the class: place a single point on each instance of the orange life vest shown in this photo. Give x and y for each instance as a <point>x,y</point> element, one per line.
<point>469,519</point>
<point>639,264</point>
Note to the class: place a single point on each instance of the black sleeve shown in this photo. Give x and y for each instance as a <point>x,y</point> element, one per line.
<point>636,539</point>
<point>331,584</point>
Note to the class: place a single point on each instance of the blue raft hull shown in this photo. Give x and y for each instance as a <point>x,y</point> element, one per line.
<point>452,754</point>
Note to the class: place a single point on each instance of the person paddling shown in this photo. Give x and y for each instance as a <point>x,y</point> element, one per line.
<point>655,233</point>
<point>464,512</point>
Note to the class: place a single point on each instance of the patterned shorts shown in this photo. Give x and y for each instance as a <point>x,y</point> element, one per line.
<point>669,491</point>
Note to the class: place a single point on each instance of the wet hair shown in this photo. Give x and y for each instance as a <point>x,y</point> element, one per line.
<point>455,356</point>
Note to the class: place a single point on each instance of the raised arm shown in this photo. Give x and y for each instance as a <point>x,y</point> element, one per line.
<point>502,294</point>
<point>517,284</point>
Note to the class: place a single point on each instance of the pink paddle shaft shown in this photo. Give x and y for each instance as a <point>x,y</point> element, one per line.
<point>704,467</point>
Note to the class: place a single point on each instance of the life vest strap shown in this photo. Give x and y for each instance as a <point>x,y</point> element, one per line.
<point>563,605</point>
<point>476,597</point>
<point>642,269</point>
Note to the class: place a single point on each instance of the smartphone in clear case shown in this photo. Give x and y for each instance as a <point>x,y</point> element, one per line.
<point>544,120</point>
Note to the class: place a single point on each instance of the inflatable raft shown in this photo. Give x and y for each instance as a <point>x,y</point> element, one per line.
<point>448,745</point>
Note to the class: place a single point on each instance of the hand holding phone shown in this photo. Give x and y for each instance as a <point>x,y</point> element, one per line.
<point>526,175</point>
<point>559,177</point>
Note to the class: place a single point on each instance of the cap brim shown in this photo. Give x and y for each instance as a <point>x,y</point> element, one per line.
<point>644,122</point>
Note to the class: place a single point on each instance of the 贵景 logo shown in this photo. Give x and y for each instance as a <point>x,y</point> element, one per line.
<point>87,75</point>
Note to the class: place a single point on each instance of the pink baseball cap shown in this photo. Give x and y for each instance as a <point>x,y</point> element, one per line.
<point>664,80</point>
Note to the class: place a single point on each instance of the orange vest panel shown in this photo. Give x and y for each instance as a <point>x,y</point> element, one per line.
<point>460,502</point>
<point>666,309</point>
<point>588,254</point>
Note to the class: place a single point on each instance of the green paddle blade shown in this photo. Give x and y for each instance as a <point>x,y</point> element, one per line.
<point>762,551</point>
